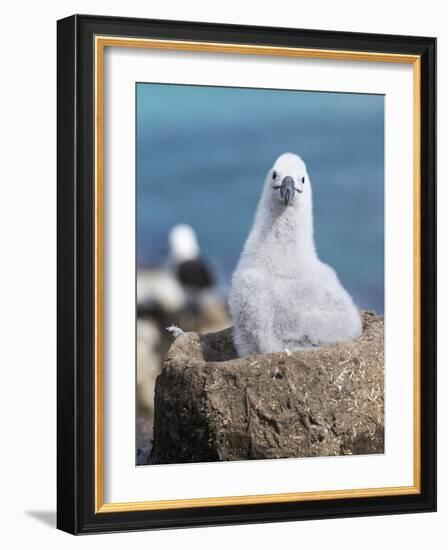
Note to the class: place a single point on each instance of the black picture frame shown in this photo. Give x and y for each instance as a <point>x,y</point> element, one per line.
<point>76,260</point>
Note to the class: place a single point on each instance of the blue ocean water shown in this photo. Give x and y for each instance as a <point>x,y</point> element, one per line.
<point>202,157</point>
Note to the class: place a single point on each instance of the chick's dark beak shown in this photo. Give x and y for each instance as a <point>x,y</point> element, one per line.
<point>287,189</point>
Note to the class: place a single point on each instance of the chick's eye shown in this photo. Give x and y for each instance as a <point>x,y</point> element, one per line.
<point>303,179</point>
<point>274,175</point>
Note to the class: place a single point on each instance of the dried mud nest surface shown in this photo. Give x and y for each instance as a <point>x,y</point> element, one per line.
<point>211,405</point>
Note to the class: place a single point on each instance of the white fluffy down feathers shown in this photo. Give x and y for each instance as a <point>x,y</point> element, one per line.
<point>282,295</point>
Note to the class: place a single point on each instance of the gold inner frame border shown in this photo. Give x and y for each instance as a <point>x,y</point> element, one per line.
<point>101,42</point>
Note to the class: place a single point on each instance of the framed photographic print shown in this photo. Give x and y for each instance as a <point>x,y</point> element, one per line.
<point>246,274</point>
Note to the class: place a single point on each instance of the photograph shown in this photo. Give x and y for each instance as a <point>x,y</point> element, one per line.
<point>259,273</point>
<point>246,274</point>
<point>221,306</point>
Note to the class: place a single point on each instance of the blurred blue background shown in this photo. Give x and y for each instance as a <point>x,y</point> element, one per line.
<point>203,154</point>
